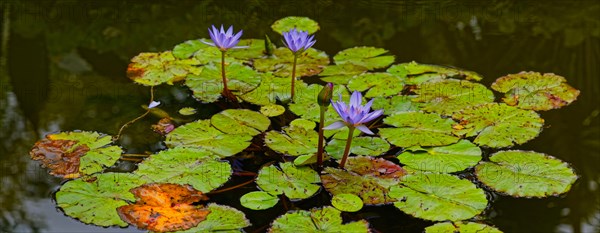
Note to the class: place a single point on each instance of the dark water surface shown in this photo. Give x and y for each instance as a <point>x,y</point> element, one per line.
<point>63,68</point>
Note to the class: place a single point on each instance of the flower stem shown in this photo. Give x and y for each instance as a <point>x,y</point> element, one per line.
<point>226,91</point>
<point>347,149</point>
<point>293,77</point>
<point>320,146</point>
<point>116,138</point>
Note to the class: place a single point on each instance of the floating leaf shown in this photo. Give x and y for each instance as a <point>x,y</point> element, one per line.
<point>255,48</point>
<point>300,23</point>
<point>438,197</point>
<point>347,202</point>
<point>449,96</point>
<point>72,154</point>
<point>272,89</point>
<point>164,207</point>
<point>532,90</point>
<point>294,182</point>
<point>418,129</point>
<point>221,219</point>
<point>188,48</point>
<point>187,111</point>
<point>201,52</point>
<point>377,84</point>
<point>341,74</point>
<point>240,121</point>
<point>294,140</point>
<point>444,159</point>
<point>327,219</point>
<point>94,199</point>
<point>415,73</point>
<point>367,177</point>
<point>526,174</point>
<point>195,167</point>
<point>200,134</point>
<point>272,110</point>
<point>258,200</point>
<point>395,104</point>
<point>498,125</point>
<point>461,227</point>
<point>372,146</point>
<point>309,63</point>
<point>369,57</point>
<point>153,69</point>
<point>208,85</point>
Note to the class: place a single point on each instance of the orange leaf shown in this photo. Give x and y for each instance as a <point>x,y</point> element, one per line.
<point>60,156</point>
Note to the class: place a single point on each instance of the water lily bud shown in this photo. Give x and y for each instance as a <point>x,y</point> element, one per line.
<point>324,98</point>
<point>268,46</point>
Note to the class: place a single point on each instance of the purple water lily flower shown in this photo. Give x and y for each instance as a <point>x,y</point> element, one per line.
<point>354,115</point>
<point>298,41</point>
<point>222,39</point>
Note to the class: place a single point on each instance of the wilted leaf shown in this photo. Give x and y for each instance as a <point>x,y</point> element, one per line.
<point>418,129</point>
<point>258,200</point>
<point>438,197</point>
<point>272,110</point>
<point>72,154</point>
<point>153,69</point>
<point>200,134</point>
<point>164,126</point>
<point>221,219</point>
<point>498,125</point>
<point>300,23</point>
<point>347,202</point>
<point>94,199</point>
<point>164,207</point>
<point>295,182</point>
<point>294,140</point>
<point>372,146</point>
<point>240,121</point>
<point>415,73</point>
<point>208,85</point>
<point>309,63</point>
<point>526,174</point>
<point>327,219</point>
<point>195,167</point>
<point>377,84</point>
<point>461,227</point>
<point>532,90</point>
<point>449,96</point>
<point>369,57</point>
<point>444,159</point>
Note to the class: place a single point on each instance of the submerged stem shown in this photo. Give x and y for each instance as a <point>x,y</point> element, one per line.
<point>320,145</point>
<point>347,149</point>
<point>293,77</point>
<point>116,138</point>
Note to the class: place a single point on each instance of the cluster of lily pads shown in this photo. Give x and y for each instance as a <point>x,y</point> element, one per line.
<point>433,122</point>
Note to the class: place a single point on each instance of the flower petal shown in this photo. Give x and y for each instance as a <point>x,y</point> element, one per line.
<point>355,99</point>
<point>364,129</point>
<point>335,125</point>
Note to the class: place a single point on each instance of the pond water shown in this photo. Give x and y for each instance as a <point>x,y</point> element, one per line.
<point>63,68</point>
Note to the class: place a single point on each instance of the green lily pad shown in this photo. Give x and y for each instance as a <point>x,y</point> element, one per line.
<point>222,219</point>
<point>95,199</point>
<point>295,140</point>
<point>240,121</point>
<point>377,84</point>
<point>461,227</point>
<point>258,200</point>
<point>341,74</point>
<point>272,110</point>
<point>300,23</point>
<point>366,177</point>
<point>526,174</point>
<point>395,104</point>
<point>201,52</point>
<point>418,129</point>
<point>415,73</point>
<point>449,96</point>
<point>187,111</point>
<point>369,57</point>
<point>255,49</point>
<point>438,197</point>
<point>72,154</point>
<point>272,89</point>
<point>444,159</point>
<point>153,69</point>
<point>347,202</point>
<point>327,219</point>
<point>294,182</point>
<point>200,134</point>
<point>305,104</point>
<point>535,91</point>
<point>198,168</point>
<point>208,85</point>
<point>372,146</point>
<point>498,125</point>
<point>309,63</point>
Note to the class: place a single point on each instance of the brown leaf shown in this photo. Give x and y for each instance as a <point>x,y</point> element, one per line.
<point>60,156</point>
<point>164,126</point>
<point>376,167</point>
<point>164,207</point>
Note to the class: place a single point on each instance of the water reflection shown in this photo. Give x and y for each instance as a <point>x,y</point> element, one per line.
<point>63,69</point>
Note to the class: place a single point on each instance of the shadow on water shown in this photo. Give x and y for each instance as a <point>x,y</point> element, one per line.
<point>63,68</point>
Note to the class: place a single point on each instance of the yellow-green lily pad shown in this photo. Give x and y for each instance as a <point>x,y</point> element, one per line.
<point>272,110</point>
<point>295,140</point>
<point>368,57</point>
<point>153,69</point>
<point>444,159</point>
<point>325,220</point>
<point>258,200</point>
<point>240,121</point>
<point>372,146</point>
<point>202,135</point>
<point>309,63</point>
<point>415,73</point>
<point>347,202</point>
<point>300,23</point>
<point>461,227</point>
<point>294,182</point>
<point>449,96</point>
<point>221,219</point>
<point>418,129</point>
<point>376,84</point>
<point>208,85</point>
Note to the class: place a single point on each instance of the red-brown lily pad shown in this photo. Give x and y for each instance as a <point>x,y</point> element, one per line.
<point>164,207</point>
